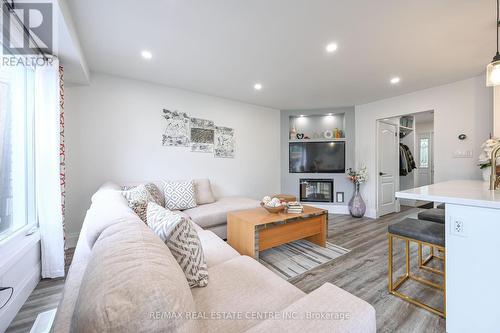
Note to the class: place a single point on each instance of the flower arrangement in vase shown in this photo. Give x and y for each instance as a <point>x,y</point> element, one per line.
<point>357,206</point>
<point>485,157</point>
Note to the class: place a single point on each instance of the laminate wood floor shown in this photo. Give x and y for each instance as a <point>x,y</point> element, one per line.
<point>362,272</point>
<point>46,296</point>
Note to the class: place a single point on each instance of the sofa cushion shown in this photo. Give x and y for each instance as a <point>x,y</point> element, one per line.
<point>241,285</point>
<point>108,208</point>
<point>215,249</point>
<point>131,276</point>
<point>179,195</point>
<point>64,314</point>
<point>182,239</point>
<point>203,191</point>
<point>107,186</point>
<point>343,312</point>
<point>216,213</point>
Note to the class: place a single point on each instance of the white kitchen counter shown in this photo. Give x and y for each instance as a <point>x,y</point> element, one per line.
<point>472,251</point>
<point>474,193</point>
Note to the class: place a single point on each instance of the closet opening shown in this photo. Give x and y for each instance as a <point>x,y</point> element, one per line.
<point>405,159</point>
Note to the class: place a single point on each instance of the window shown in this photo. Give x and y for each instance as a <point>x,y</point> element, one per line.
<point>17,179</point>
<point>424,153</point>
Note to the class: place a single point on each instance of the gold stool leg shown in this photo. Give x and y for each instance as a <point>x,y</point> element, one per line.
<point>389,238</point>
<point>444,283</point>
<point>393,287</point>
<point>407,245</point>
<point>420,260</point>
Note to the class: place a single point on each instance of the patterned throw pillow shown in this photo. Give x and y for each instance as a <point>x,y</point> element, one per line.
<point>155,192</point>
<point>138,198</point>
<point>179,195</point>
<point>179,234</point>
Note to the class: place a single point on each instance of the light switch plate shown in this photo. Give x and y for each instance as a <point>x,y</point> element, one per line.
<point>463,154</point>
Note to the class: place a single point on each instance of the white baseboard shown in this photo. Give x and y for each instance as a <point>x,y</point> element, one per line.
<point>71,239</point>
<point>371,213</point>
<point>340,210</point>
<point>21,293</point>
<point>332,209</point>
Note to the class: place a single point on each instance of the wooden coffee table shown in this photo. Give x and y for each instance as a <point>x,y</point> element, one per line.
<point>255,230</point>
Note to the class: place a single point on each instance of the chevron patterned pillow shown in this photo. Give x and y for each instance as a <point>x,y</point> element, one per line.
<point>179,195</point>
<point>179,234</point>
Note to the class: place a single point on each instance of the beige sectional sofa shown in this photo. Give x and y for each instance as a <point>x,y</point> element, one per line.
<point>125,279</point>
<point>213,215</point>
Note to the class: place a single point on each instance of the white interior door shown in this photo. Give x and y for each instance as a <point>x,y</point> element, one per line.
<point>388,167</point>
<point>424,153</point>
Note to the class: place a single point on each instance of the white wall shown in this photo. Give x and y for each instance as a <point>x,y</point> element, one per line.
<point>114,130</point>
<point>424,127</point>
<point>461,107</point>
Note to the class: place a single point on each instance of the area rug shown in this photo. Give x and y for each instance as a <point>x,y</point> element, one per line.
<point>295,258</point>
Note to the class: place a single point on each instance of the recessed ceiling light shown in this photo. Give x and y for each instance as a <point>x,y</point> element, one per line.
<point>332,47</point>
<point>301,116</point>
<point>329,114</point>
<point>146,54</point>
<point>257,86</point>
<point>395,80</point>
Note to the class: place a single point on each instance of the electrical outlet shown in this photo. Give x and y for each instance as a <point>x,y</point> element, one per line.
<point>457,227</point>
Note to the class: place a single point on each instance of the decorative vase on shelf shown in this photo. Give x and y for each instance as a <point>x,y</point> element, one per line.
<point>357,206</point>
<point>486,174</point>
<point>293,134</point>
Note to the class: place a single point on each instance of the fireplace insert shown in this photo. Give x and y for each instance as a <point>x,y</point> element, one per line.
<point>316,190</point>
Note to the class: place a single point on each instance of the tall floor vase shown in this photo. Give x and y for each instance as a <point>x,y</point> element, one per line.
<point>357,206</point>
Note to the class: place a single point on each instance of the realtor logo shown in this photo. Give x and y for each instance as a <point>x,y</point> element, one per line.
<point>37,19</point>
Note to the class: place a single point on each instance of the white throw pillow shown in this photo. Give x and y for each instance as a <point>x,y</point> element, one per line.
<point>179,234</point>
<point>203,192</point>
<point>179,195</point>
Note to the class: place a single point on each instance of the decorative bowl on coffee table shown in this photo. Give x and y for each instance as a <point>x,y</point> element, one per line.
<point>273,210</point>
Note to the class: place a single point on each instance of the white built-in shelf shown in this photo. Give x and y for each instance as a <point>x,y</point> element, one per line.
<point>315,126</point>
<point>404,128</point>
<point>318,140</point>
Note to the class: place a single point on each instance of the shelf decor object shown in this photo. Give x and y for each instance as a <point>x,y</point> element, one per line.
<point>493,68</point>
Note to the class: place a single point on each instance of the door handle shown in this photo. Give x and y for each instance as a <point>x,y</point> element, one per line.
<point>382,174</point>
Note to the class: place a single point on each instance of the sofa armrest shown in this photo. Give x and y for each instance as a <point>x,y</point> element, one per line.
<point>326,309</point>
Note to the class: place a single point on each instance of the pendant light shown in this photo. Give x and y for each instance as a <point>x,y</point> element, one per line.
<point>493,69</point>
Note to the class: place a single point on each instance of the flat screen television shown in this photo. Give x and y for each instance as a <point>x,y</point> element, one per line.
<point>317,157</point>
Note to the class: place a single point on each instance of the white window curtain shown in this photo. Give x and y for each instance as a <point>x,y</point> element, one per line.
<point>47,161</point>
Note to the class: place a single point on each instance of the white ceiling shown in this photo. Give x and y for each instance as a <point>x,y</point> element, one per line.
<point>223,47</point>
<point>68,47</point>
